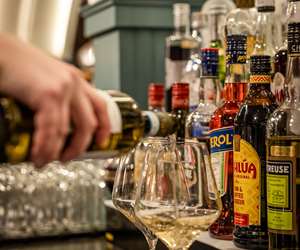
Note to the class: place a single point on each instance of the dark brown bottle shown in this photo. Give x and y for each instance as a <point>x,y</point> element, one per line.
<point>250,201</point>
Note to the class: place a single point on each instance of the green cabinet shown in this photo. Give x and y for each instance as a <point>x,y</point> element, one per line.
<point>129,38</point>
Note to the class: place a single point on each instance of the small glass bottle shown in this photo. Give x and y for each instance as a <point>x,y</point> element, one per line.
<point>265,40</point>
<point>179,48</point>
<point>180,107</point>
<point>197,123</point>
<point>216,11</point>
<point>242,21</point>
<point>250,213</point>
<point>221,134</point>
<point>191,73</point>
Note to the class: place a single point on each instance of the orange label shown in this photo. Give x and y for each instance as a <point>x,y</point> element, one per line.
<point>246,183</point>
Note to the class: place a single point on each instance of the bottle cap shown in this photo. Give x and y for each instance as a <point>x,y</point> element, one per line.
<point>236,52</point>
<point>180,95</point>
<point>294,39</point>
<point>244,3</point>
<point>198,20</point>
<point>181,9</point>
<point>210,62</point>
<point>156,94</point>
<point>265,5</point>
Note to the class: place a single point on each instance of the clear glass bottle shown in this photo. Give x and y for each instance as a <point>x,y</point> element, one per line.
<point>283,151</point>
<point>265,41</point>
<point>221,134</point>
<point>242,21</point>
<point>197,123</point>
<point>191,73</point>
<point>179,48</point>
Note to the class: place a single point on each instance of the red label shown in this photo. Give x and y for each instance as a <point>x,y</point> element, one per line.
<point>241,219</point>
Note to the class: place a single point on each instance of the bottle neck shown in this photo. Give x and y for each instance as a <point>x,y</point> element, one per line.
<point>182,24</point>
<point>210,90</point>
<point>264,36</point>
<point>293,81</point>
<point>260,82</point>
<point>236,82</point>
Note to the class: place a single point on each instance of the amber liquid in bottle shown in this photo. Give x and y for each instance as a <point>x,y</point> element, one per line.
<point>221,126</point>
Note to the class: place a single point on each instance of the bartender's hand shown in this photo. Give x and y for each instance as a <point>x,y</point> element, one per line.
<point>58,94</point>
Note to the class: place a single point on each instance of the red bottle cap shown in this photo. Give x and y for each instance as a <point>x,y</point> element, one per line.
<point>156,95</point>
<point>180,95</point>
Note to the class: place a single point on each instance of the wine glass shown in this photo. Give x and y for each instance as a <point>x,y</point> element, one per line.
<point>177,197</point>
<point>126,182</point>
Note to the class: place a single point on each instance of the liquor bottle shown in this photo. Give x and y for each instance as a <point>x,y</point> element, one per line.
<point>249,174</point>
<point>197,123</point>
<point>191,72</point>
<point>216,11</point>
<point>197,26</point>
<point>281,57</point>
<point>265,41</point>
<point>283,152</point>
<point>242,21</point>
<point>179,48</point>
<point>221,134</point>
<point>128,126</point>
<point>180,107</point>
<point>157,121</point>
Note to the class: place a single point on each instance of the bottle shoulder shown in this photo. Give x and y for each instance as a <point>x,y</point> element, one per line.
<point>284,121</point>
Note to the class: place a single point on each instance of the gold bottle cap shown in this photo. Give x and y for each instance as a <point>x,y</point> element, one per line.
<point>243,4</point>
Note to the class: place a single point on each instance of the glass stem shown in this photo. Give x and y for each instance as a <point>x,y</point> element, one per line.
<point>151,243</point>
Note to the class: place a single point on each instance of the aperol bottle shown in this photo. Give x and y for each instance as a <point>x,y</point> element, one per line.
<point>222,130</point>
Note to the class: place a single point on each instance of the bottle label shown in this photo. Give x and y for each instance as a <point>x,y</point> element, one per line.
<point>281,190</point>
<point>114,113</point>
<point>221,143</point>
<point>155,123</point>
<point>293,39</point>
<point>246,183</point>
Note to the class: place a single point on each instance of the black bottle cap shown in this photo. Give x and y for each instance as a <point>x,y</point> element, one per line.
<point>294,39</point>
<point>236,52</point>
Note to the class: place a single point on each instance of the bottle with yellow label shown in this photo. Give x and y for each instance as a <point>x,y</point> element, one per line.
<point>283,154</point>
<point>249,174</point>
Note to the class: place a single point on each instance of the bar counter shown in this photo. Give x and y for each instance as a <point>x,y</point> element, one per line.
<point>127,240</point>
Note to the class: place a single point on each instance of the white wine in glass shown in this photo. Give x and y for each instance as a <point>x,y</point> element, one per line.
<point>127,179</point>
<point>178,198</point>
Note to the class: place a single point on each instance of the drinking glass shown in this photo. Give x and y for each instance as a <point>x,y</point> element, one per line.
<point>126,182</point>
<point>177,197</point>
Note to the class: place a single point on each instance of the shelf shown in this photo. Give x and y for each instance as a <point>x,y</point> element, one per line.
<point>218,244</point>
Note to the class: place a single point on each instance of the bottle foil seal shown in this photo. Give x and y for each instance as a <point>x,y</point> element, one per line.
<point>210,62</point>
<point>260,67</point>
<point>236,52</point>
<point>265,5</point>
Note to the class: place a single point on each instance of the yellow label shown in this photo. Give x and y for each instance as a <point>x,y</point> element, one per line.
<point>246,183</point>
<point>281,210</point>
